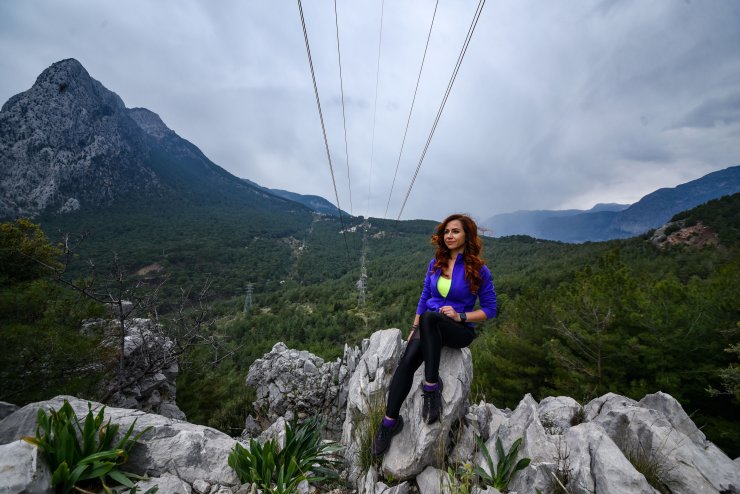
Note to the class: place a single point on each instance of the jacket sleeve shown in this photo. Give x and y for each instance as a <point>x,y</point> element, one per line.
<point>426,291</point>
<point>486,293</point>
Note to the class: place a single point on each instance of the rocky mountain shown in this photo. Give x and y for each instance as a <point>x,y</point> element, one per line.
<point>316,203</point>
<point>605,223</point>
<point>68,143</point>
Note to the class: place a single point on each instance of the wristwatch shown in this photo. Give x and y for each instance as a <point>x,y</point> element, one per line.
<point>463,317</point>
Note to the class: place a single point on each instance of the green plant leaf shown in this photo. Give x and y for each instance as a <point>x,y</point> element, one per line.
<point>121,478</point>
<point>61,474</point>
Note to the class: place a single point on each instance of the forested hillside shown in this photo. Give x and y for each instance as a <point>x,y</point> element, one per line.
<point>624,316</point>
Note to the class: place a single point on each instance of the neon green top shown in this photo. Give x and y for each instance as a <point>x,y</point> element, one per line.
<point>443,286</point>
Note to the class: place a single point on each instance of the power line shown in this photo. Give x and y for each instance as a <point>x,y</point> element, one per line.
<point>408,120</point>
<point>476,16</point>
<point>344,118</point>
<point>375,107</point>
<point>323,127</point>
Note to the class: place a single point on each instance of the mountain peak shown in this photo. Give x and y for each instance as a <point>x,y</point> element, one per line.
<point>150,122</point>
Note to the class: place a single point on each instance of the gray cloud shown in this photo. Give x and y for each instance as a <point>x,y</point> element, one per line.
<point>555,105</point>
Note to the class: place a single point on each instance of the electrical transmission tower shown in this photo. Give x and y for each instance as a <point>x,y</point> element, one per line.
<point>248,297</point>
<point>362,282</point>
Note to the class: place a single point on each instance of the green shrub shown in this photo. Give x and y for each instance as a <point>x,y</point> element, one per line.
<point>304,457</point>
<point>93,459</point>
<point>499,475</point>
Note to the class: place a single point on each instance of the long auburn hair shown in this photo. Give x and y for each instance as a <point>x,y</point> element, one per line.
<point>472,254</point>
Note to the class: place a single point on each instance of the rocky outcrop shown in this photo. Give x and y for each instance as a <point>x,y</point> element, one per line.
<point>610,445</point>
<point>150,367</point>
<point>679,233</point>
<point>192,453</point>
<point>292,384</point>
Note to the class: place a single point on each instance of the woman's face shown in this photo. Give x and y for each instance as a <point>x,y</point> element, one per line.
<point>454,235</point>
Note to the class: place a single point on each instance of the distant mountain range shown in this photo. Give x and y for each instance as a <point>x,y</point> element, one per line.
<point>610,221</point>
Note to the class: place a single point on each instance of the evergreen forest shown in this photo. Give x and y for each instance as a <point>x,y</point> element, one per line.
<point>622,316</point>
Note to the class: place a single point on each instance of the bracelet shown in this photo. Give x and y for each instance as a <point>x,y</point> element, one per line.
<point>414,327</point>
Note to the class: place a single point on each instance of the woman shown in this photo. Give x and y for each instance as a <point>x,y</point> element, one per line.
<point>456,277</point>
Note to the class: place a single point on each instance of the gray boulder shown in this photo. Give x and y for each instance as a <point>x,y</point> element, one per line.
<point>167,483</point>
<point>590,462</point>
<point>150,366</point>
<point>23,469</point>
<point>367,389</point>
<point>433,481</point>
<point>297,384</point>
<point>190,452</point>
<point>419,445</point>
<point>556,413</point>
<point>674,412</point>
<point>653,436</point>
<point>6,409</point>
<point>536,445</point>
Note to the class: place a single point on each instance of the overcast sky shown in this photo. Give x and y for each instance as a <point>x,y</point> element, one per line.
<point>557,104</point>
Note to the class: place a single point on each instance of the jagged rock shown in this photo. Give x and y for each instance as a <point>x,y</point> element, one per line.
<point>367,484</point>
<point>190,452</point>
<point>685,466</point>
<point>402,488</point>
<point>490,418</point>
<point>167,483</point>
<point>275,431</point>
<point>22,469</point>
<point>201,486</point>
<point>465,445</point>
<point>674,412</point>
<point>367,389</point>
<point>418,444</point>
<point>604,403</point>
<point>433,481</point>
<point>251,429</point>
<point>555,413</point>
<point>524,422</point>
<point>150,367</point>
<point>593,463</point>
<point>291,383</point>
<point>6,409</point>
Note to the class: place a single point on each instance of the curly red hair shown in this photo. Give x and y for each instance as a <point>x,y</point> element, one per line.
<point>472,254</point>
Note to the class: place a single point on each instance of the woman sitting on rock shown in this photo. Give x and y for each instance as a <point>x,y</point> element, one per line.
<point>456,277</point>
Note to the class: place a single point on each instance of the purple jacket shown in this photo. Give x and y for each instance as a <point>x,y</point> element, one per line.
<point>459,296</point>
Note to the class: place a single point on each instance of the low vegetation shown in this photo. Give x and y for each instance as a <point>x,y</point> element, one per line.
<point>279,470</point>
<point>83,456</point>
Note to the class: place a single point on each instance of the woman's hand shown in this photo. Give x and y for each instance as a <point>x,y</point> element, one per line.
<point>414,328</point>
<point>450,312</point>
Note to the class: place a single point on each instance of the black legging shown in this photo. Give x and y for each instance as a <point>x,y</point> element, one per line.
<point>435,331</point>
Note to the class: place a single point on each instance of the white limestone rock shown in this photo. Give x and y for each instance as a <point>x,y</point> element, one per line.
<point>419,445</point>
<point>190,452</point>
<point>597,465</point>
<point>167,484</point>
<point>689,467</point>
<point>368,387</point>
<point>555,413</point>
<point>23,469</point>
